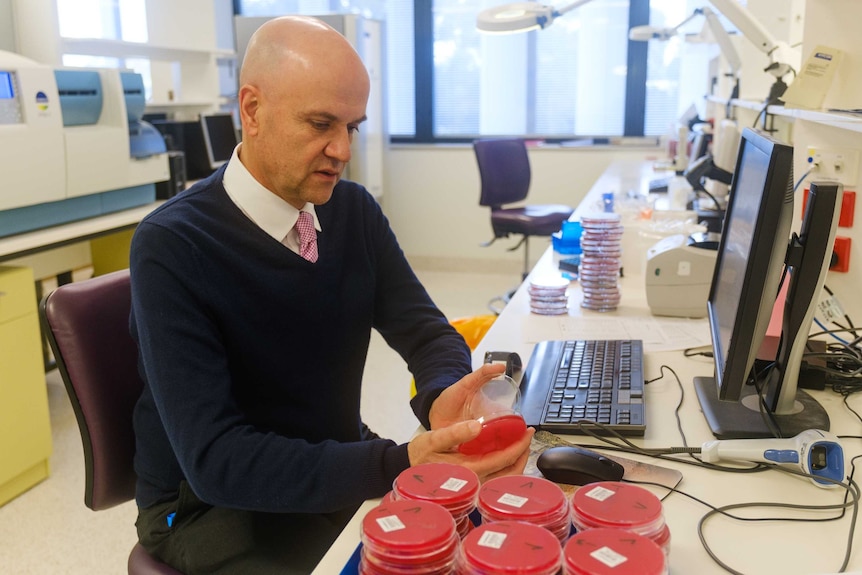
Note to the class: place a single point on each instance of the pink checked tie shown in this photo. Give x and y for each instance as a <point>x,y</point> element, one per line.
<point>307,236</point>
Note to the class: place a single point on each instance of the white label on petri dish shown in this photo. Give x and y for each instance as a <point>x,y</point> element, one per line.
<point>600,493</point>
<point>492,539</point>
<point>390,523</point>
<point>453,484</point>
<point>608,556</point>
<point>512,500</point>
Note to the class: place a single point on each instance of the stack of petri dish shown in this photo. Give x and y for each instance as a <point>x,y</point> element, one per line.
<point>508,548</point>
<point>622,506</point>
<point>548,294</point>
<point>612,552</point>
<point>599,270</point>
<point>451,486</point>
<point>408,538</point>
<point>525,498</point>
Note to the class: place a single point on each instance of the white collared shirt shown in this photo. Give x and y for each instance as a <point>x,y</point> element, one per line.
<point>271,213</point>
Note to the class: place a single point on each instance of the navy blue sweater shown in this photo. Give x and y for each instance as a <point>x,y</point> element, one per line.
<point>253,357</point>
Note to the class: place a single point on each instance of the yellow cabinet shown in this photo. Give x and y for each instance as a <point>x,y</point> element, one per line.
<point>25,429</point>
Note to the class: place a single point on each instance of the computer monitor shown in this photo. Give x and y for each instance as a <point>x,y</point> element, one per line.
<point>749,270</point>
<point>219,137</point>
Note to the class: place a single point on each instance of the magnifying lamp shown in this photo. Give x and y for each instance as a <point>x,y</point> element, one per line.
<point>521,16</point>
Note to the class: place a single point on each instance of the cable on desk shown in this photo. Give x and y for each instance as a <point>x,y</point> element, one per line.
<point>679,403</point>
<point>625,445</point>
<point>704,350</point>
<point>851,489</point>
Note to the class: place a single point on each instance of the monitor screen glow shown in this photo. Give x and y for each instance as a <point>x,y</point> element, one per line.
<point>7,89</point>
<point>220,138</point>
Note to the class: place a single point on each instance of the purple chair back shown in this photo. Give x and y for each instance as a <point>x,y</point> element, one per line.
<point>504,170</point>
<point>87,326</point>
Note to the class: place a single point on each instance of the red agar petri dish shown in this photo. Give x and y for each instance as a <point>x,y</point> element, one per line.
<point>510,547</point>
<point>408,537</point>
<point>524,498</point>
<point>454,487</point>
<point>612,552</point>
<point>617,505</point>
<point>497,433</point>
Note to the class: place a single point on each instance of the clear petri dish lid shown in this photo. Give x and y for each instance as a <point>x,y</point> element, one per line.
<point>499,396</point>
<point>552,282</point>
<point>497,405</point>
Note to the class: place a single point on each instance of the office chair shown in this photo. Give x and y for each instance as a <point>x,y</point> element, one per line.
<point>87,327</point>
<point>504,170</point>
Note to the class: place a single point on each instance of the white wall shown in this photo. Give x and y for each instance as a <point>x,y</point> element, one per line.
<point>432,200</point>
<point>8,41</point>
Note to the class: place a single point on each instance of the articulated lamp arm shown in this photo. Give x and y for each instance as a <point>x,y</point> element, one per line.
<point>780,54</point>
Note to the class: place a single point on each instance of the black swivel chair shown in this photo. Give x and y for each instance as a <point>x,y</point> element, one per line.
<point>87,326</point>
<point>504,169</point>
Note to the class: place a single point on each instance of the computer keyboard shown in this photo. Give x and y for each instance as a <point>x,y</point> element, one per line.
<point>593,380</point>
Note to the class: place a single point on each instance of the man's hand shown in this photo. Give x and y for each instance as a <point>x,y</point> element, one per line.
<point>448,408</point>
<point>449,430</point>
<point>440,446</point>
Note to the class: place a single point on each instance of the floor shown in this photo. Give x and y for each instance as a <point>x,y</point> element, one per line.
<point>48,530</point>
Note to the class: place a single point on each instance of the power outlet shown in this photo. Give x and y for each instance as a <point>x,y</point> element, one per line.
<point>835,164</point>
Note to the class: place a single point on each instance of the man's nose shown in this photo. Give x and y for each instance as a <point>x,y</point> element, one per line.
<point>339,147</point>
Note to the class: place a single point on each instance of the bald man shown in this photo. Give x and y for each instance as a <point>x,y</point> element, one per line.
<point>251,453</point>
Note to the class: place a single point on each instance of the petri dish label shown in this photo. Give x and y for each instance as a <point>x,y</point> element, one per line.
<point>390,523</point>
<point>453,484</point>
<point>492,539</point>
<point>609,557</point>
<point>600,493</point>
<point>513,500</point>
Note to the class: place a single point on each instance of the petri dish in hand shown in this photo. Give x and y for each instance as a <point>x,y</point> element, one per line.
<point>497,405</point>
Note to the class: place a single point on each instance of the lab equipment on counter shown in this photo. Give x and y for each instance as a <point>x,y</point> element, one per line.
<point>678,276</point>
<point>74,144</point>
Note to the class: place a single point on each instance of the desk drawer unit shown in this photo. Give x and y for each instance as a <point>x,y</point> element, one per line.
<point>25,431</point>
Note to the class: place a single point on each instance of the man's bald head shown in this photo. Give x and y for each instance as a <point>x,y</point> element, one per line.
<point>302,96</point>
<point>292,43</point>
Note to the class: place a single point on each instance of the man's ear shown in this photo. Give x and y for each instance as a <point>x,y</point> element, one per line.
<point>249,105</point>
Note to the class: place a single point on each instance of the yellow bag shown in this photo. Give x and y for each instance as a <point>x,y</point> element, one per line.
<point>472,329</point>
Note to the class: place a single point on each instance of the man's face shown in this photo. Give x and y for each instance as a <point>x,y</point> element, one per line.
<point>304,133</point>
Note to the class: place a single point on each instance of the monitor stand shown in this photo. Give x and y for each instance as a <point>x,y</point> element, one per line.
<point>742,419</point>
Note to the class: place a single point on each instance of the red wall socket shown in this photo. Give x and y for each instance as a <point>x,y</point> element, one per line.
<point>848,208</point>
<point>842,251</point>
<point>848,205</point>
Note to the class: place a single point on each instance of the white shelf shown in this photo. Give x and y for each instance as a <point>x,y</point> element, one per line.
<point>177,104</point>
<point>844,121</point>
<point>122,49</point>
<point>833,119</point>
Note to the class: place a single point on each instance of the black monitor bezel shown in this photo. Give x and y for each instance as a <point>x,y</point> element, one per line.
<point>214,162</point>
<point>764,265</point>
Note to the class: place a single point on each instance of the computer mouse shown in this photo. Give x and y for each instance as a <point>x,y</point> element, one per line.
<point>577,466</point>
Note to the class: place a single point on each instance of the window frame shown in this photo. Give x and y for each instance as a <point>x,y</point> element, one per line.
<point>423,28</point>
